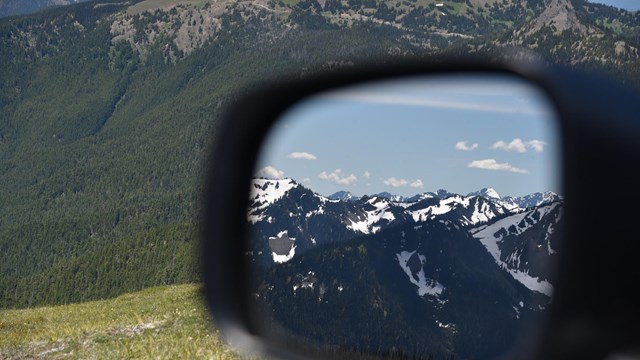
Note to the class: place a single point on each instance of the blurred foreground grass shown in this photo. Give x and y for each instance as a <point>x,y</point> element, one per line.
<point>160,322</point>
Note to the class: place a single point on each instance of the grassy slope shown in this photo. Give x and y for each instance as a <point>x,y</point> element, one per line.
<point>168,322</point>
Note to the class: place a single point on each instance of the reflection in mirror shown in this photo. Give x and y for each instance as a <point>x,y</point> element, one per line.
<point>417,217</point>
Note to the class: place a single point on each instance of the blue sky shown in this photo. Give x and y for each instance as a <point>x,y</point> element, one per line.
<point>418,135</point>
<point>623,4</point>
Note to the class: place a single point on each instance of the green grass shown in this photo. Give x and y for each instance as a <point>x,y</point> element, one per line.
<point>458,8</point>
<point>507,23</point>
<point>168,322</point>
<point>291,2</point>
<point>616,26</point>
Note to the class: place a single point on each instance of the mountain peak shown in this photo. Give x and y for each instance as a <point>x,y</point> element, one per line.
<point>442,193</point>
<point>561,15</point>
<point>389,196</point>
<point>533,200</point>
<point>487,192</point>
<point>265,192</point>
<point>341,195</point>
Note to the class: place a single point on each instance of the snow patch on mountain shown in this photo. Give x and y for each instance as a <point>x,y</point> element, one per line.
<point>443,207</point>
<point>488,193</point>
<point>265,192</point>
<point>474,210</point>
<point>445,326</point>
<point>283,258</point>
<point>419,197</point>
<point>425,285</point>
<point>320,211</point>
<point>483,212</point>
<point>279,243</point>
<point>365,224</point>
<point>282,247</point>
<point>532,200</point>
<point>281,234</point>
<point>390,197</point>
<point>491,236</point>
<point>549,232</point>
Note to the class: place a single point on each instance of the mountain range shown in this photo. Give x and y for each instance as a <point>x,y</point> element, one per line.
<point>509,202</point>
<point>442,273</point>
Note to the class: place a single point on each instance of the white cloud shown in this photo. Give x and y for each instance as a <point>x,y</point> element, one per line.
<point>514,145</point>
<point>394,182</point>
<point>366,174</point>
<point>536,145</point>
<point>519,145</point>
<point>446,102</point>
<point>306,180</point>
<point>301,155</point>
<point>462,145</point>
<point>337,177</point>
<point>270,172</point>
<point>418,184</point>
<point>492,164</point>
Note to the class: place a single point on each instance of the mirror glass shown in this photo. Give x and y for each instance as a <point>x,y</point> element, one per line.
<point>416,217</point>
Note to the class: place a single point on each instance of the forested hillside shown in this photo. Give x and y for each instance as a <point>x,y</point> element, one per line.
<point>107,109</point>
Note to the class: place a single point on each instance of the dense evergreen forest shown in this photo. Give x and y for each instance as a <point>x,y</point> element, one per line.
<point>107,110</point>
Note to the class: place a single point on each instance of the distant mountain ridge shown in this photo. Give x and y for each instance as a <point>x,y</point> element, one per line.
<point>511,202</point>
<point>592,34</point>
<point>343,196</point>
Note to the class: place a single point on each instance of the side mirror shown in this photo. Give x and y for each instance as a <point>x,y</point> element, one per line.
<point>295,266</point>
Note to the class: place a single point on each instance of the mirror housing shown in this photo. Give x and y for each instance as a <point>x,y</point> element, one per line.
<point>598,126</point>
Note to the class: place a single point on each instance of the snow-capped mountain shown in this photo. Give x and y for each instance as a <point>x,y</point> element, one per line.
<point>288,219</point>
<point>342,196</point>
<point>533,200</point>
<point>440,194</point>
<point>489,193</point>
<point>518,202</point>
<point>277,202</point>
<point>524,243</point>
<point>438,263</point>
<point>390,197</point>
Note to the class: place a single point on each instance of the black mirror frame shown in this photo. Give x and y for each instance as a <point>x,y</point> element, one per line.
<point>599,125</point>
